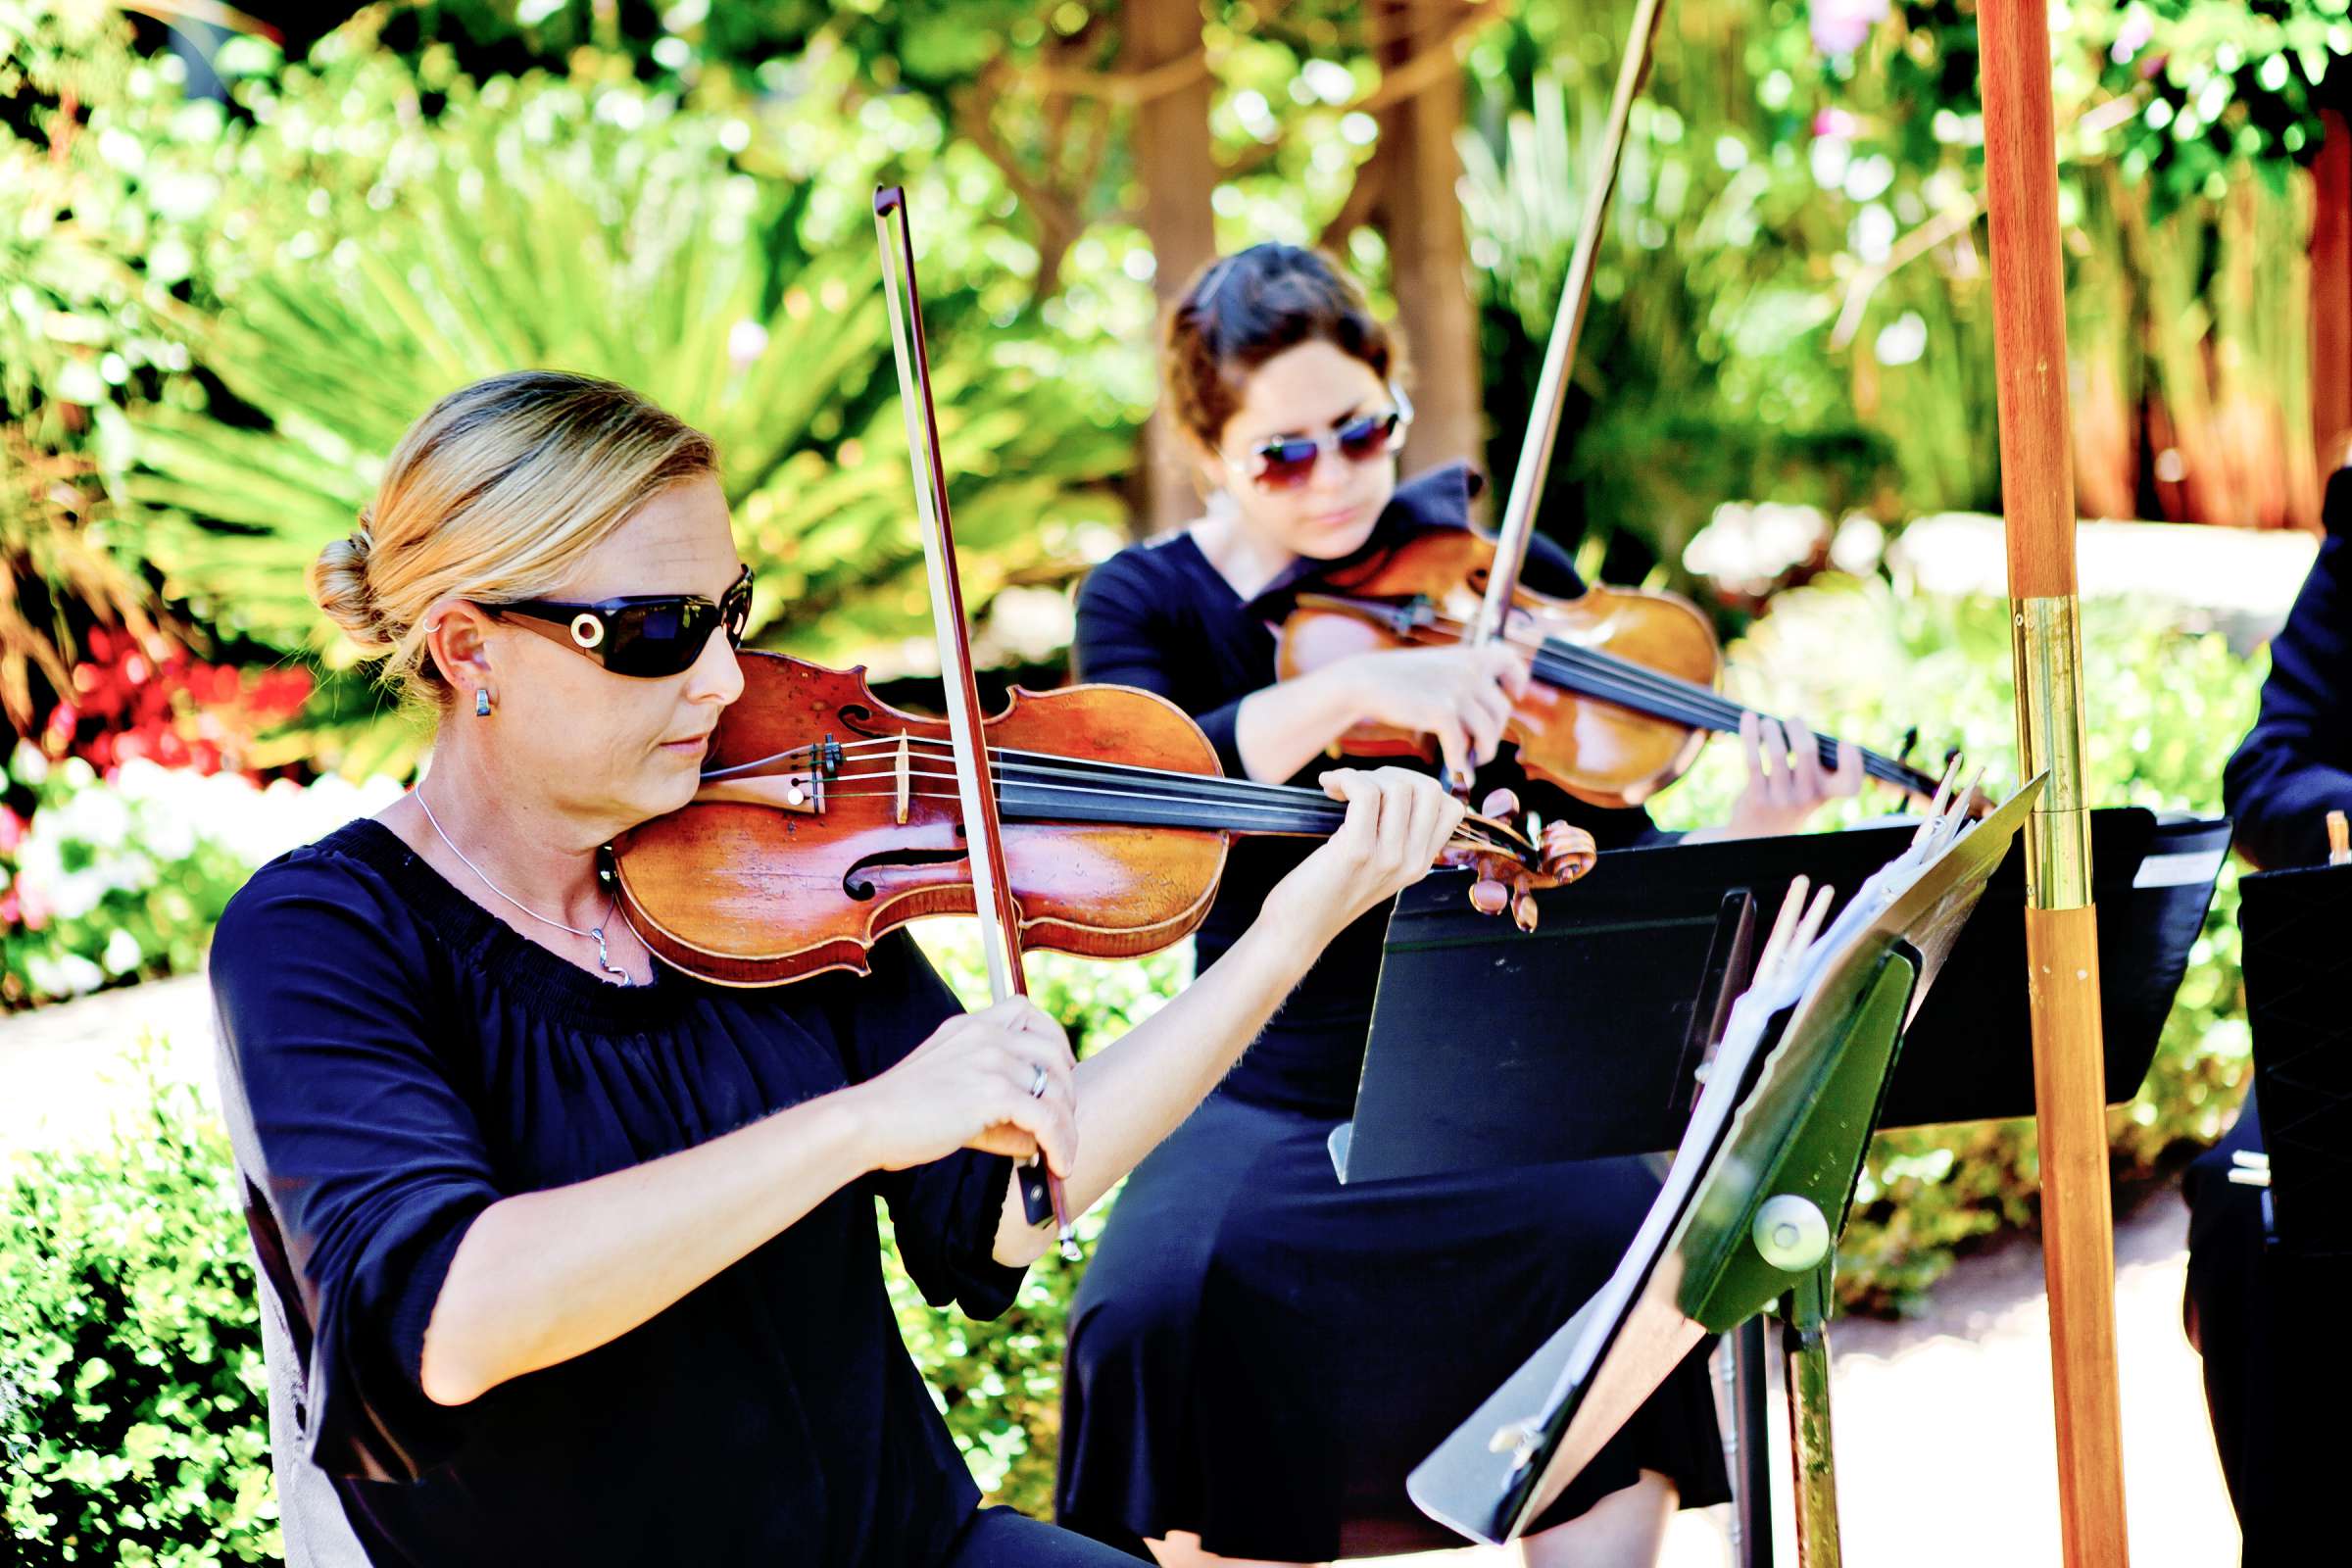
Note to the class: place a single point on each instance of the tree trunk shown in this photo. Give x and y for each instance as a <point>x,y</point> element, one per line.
<point>1179,175</point>
<point>1420,211</point>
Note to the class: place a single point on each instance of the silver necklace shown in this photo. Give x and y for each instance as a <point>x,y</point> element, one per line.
<point>595,933</point>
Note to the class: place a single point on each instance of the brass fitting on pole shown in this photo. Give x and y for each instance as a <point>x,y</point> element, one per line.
<point>2045,644</point>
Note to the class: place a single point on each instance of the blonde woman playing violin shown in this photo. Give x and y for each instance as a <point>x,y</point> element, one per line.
<point>567,1259</point>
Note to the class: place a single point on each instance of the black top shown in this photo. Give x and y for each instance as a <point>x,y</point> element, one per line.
<point>1160,616</point>
<point>2295,764</point>
<point>400,1059</point>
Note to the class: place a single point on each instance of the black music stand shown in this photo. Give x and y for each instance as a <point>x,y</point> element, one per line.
<point>1759,1191</point>
<point>1653,937</point>
<point>1666,935</point>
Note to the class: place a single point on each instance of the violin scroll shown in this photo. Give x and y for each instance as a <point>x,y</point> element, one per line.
<point>1502,883</point>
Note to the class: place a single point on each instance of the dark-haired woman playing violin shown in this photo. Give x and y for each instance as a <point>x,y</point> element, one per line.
<point>1258,1356</point>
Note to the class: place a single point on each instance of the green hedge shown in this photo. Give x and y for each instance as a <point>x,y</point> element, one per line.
<point>133,1410</point>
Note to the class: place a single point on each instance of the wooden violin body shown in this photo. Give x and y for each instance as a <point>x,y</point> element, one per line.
<point>765,888</point>
<point>1598,751</point>
<point>828,817</point>
<point>1624,689</point>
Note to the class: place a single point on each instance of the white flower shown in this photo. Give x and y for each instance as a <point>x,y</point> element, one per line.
<point>121,955</point>
<point>67,974</point>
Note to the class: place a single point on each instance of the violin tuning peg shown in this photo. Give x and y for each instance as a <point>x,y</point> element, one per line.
<point>1500,805</point>
<point>1523,903</point>
<point>1488,896</point>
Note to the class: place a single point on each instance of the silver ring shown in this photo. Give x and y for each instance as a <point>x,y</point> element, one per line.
<point>1037,1079</point>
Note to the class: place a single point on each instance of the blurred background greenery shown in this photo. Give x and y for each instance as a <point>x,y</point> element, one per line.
<point>239,250</point>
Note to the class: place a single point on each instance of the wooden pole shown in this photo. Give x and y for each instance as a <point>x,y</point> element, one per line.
<point>2062,952</point>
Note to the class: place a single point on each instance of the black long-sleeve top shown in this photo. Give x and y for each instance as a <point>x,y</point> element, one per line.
<point>2295,764</point>
<point>396,1060</point>
<point>1159,616</point>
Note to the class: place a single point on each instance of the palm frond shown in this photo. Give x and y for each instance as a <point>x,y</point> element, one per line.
<point>540,236</point>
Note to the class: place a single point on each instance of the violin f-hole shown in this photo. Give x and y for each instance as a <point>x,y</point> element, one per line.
<point>853,881</point>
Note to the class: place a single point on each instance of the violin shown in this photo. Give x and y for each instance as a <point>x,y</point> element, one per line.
<point>828,817</point>
<point>1624,690</point>
<point>1623,693</point>
<point>1094,819</point>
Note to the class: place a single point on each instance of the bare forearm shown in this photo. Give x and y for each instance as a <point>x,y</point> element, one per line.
<point>1283,727</point>
<point>543,1277</point>
<point>1135,1092</point>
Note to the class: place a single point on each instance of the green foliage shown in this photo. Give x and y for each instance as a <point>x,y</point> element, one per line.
<point>2226,87</point>
<point>133,1408</point>
<point>1701,373</point>
<point>594,227</point>
<point>79,327</point>
<point>1865,663</point>
<point>1791,300</point>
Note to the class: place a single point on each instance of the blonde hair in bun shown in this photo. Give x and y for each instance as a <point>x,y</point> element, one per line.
<point>498,492</point>
<point>339,585</point>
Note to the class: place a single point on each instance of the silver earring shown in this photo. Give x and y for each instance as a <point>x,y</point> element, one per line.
<point>481,701</point>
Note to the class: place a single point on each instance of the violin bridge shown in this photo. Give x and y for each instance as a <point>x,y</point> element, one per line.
<point>906,777</point>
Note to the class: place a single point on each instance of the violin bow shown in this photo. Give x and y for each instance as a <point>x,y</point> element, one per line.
<point>993,903</point>
<point>1559,354</point>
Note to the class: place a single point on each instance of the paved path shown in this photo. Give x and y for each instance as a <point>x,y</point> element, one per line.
<point>1942,1422</point>
<point>62,1067</point>
<point>1942,1425</point>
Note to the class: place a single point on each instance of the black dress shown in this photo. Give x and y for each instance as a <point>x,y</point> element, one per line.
<point>1258,1354</point>
<point>396,1060</point>
<point>2294,767</point>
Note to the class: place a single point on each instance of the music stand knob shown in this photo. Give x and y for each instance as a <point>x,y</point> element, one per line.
<point>1790,1232</point>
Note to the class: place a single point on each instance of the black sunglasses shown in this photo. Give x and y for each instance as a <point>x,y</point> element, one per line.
<point>1286,462</point>
<point>648,635</point>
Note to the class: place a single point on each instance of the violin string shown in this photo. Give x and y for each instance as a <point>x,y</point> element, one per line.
<point>1231,793</point>
<point>1320,808</point>
<point>1312,805</point>
<point>1010,798</point>
<point>1691,702</point>
<point>1688,703</point>
<point>1207,786</point>
<point>1470,835</point>
<point>1170,790</point>
<point>1669,696</point>
<point>1169,787</point>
